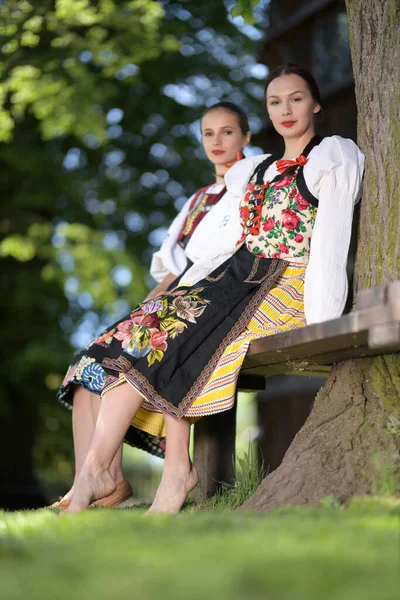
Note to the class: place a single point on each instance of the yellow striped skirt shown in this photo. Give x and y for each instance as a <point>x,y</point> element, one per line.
<point>281,310</point>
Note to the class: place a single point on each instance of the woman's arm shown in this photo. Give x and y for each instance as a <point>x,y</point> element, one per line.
<point>171,258</point>
<point>161,287</point>
<point>337,168</point>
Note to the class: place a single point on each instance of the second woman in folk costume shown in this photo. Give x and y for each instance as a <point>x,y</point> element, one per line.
<point>225,132</point>
<point>178,356</point>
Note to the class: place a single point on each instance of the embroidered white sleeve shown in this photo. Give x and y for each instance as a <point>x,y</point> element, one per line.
<point>216,232</point>
<point>214,240</point>
<point>171,258</point>
<point>334,176</point>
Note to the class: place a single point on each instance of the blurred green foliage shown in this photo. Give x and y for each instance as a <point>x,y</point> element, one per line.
<point>245,9</point>
<point>60,90</point>
<point>99,109</point>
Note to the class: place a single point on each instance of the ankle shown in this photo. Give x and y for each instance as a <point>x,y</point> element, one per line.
<point>94,466</point>
<point>117,475</point>
<point>182,467</point>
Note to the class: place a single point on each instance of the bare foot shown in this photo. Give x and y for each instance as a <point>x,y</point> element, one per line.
<point>69,494</point>
<point>92,484</point>
<point>65,500</point>
<point>173,490</point>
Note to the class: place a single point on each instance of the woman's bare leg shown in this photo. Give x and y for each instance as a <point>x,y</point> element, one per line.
<point>179,476</point>
<point>85,411</point>
<point>116,465</point>
<point>83,424</point>
<point>118,407</point>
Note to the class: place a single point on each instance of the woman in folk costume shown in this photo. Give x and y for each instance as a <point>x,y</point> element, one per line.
<point>225,132</point>
<point>292,235</point>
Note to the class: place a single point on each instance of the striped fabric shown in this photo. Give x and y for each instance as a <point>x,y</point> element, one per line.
<point>281,310</point>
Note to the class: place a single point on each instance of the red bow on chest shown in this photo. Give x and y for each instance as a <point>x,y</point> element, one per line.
<point>283,164</point>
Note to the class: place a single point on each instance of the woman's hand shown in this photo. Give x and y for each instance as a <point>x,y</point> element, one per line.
<point>161,287</point>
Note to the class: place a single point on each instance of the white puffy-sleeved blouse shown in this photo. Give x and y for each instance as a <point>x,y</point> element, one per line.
<point>172,257</point>
<point>333,175</point>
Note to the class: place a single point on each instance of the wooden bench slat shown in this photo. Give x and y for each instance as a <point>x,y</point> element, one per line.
<point>382,336</point>
<point>377,296</point>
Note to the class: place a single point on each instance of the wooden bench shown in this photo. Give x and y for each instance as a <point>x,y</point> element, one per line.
<point>373,328</point>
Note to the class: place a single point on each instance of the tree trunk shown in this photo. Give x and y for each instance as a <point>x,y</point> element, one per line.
<point>350,443</point>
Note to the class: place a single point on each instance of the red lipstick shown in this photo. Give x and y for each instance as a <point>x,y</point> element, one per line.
<point>288,123</point>
<point>218,152</point>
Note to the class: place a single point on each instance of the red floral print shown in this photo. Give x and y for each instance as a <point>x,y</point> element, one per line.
<point>290,219</point>
<point>145,334</point>
<point>277,221</point>
<point>124,333</point>
<point>145,320</point>
<point>158,340</point>
<point>268,224</point>
<point>282,183</point>
<point>301,203</point>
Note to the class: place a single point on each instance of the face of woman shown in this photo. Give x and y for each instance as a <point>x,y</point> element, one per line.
<point>291,106</point>
<point>221,136</point>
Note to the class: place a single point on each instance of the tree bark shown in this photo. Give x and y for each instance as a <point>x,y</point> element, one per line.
<point>375,48</point>
<point>350,444</point>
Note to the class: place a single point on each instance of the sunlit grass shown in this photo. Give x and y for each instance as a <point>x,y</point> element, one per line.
<point>248,477</point>
<point>293,554</point>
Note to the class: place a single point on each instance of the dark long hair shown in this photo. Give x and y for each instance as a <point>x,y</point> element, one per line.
<point>294,69</point>
<point>234,109</point>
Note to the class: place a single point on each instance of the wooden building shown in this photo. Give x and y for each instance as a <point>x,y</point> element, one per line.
<point>313,33</point>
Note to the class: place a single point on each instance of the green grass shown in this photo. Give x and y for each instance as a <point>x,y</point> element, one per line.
<point>249,475</point>
<point>331,553</point>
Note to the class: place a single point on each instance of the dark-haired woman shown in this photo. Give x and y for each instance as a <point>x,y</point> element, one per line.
<point>199,233</point>
<point>289,269</point>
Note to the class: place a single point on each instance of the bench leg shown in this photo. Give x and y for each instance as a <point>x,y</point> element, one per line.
<point>214,452</point>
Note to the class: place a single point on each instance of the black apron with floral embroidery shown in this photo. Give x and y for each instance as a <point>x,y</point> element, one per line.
<point>169,347</point>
